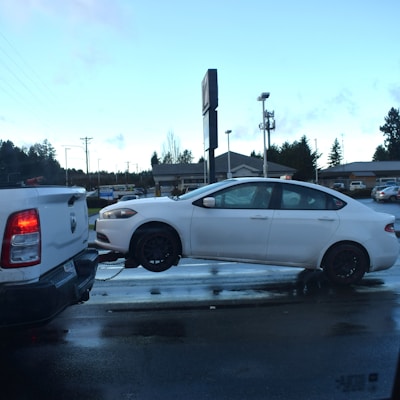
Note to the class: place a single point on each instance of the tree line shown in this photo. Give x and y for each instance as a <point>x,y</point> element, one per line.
<point>39,160</point>
<point>38,164</point>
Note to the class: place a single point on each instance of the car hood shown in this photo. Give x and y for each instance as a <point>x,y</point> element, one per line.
<point>136,202</point>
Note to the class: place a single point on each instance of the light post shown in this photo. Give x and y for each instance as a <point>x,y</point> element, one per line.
<point>98,174</point>
<point>66,167</point>
<point>262,97</point>
<point>316,162</point>
<point>229,174</point>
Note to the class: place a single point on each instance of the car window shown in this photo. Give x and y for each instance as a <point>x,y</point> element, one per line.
<point>303,198</point>
<point>246,196</point>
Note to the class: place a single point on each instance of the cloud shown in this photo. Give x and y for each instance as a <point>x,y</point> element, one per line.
<point>345,99</point>
<point>118,141</point>
<point>104,12</point>
<point>91,56</point>
<point>394,92</point>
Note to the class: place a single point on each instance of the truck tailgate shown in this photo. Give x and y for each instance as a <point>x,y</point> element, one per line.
<point>64,224</point>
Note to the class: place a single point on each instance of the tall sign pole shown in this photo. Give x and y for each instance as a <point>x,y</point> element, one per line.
<point>209,91</point>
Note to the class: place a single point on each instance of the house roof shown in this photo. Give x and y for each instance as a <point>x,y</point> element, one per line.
<point>221,162</point>
<point>253,162</point>
<point>377,168</point>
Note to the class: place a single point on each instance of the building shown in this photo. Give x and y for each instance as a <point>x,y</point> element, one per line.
<point>369,172</point>
<point>183,176</point>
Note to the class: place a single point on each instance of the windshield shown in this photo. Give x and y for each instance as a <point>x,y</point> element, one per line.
<point>203,189</point>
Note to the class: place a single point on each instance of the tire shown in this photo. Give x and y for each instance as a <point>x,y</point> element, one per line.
<point>157,250</point>
<point>393,199</point>
<point>345,264</point>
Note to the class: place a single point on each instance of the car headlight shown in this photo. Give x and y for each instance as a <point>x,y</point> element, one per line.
<point>119,213</point>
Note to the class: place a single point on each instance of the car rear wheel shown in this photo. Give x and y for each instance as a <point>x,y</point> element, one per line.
<point>345,264</point>
<point>157,250</point>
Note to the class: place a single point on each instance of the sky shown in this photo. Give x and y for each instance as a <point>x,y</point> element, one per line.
<point>116,77</point>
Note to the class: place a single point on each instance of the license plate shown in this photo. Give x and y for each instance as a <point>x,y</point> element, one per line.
<point>70,267</point>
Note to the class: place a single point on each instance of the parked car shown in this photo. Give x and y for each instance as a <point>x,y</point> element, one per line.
<point>129,197</point>
<point>254,220</point>
<point>387,194</point>
<point>338,186</point>
<point>357,185</point>
<point>375,189</point>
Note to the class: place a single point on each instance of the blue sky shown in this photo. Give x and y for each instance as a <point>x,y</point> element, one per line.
<point>125,73</point>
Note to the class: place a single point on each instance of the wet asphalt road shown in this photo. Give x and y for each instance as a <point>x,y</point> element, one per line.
<point>208,330</point>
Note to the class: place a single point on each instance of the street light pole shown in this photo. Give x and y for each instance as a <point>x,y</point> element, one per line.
<point>316,162</point>
<point>66,167</point>
<point>229,174</point>
<point>98,174</point>
<point>263,96</point>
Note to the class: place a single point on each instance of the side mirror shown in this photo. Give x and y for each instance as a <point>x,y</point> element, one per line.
<point>209,202</point>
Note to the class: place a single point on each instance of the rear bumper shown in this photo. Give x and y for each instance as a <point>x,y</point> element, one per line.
<point>39,302</point>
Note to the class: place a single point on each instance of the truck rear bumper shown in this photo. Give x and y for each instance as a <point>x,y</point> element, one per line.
<point>39,302</point>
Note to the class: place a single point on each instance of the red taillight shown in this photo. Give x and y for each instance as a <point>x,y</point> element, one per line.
<point>390,228</point>
<point>22,242</point>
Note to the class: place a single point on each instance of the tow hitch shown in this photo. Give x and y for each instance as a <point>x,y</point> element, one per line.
<point>114,256</point>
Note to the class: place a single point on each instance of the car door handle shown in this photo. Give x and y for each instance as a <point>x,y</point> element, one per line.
<point>326,219</point>
<point>258,216</point>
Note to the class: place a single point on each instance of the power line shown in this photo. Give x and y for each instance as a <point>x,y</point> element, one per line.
<point>36,78</point>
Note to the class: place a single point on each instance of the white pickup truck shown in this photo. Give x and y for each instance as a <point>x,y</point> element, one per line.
<point>45,262</point>
<point>356,185</point>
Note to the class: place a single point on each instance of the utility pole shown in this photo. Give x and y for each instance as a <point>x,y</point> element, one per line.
<point>270,126</point>
<point>87,140</point>
<point>127,172</point>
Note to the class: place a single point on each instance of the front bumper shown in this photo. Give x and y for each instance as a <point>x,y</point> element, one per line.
<point>39,302</point>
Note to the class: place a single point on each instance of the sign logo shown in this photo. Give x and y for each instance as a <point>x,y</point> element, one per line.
<point>72,220</point>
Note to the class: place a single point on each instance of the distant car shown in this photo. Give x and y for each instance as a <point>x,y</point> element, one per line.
<point>387,194</point>
<point>127,197</point>
<point>390,183</point>
<point>357,185</point>
<point>375,189</point>
<point>338,186</point>
<point>253,220</point>
<point>139,191</point>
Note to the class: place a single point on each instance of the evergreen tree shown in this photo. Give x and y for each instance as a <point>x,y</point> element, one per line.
<point>391,131</point>
<point>273,154</point>
<point>381,154</point>
<point>167,158</point>
<point>258,155</point>
<point>335,156</point>
<point>154,159</point>
<point>185,158</point>
<point>298,155</point>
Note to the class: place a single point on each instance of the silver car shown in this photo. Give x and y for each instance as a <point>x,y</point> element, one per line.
<point>377,189</point>
<point>387,194</point>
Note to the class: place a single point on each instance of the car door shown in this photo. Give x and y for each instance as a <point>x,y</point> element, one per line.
<point>236,227</point>
<point>304,222</point>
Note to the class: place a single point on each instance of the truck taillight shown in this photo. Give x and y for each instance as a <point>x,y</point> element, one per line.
<point>21,242</point>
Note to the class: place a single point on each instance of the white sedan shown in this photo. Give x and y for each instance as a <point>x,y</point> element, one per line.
<point>253,220</point>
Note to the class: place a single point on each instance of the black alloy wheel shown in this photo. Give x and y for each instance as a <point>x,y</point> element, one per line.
<point>157,250</point>
<point>345,264</point>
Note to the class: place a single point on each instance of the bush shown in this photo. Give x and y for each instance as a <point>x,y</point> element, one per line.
<point>359,194</point>
<point>95,202</point>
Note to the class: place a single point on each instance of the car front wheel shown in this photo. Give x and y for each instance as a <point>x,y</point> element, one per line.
<point>157,250</point>
<point>345,264</point>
